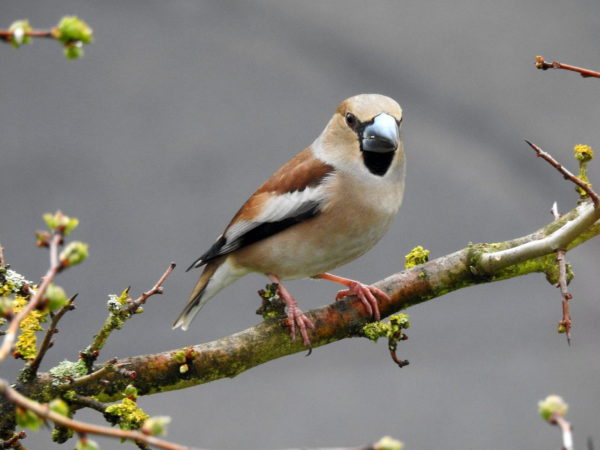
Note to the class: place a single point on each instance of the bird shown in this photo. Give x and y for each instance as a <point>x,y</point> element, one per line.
<point>325,207</point>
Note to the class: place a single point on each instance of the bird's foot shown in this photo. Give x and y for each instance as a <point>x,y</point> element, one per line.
<point>365,293</point>
<point>296,318</point>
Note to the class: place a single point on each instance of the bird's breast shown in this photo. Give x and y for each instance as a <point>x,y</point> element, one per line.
<point>353,220</point>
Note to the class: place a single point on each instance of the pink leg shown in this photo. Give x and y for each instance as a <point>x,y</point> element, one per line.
<point>362,291</point>
<point>295,316</point>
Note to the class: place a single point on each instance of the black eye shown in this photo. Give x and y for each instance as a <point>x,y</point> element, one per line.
<point>351,120</point>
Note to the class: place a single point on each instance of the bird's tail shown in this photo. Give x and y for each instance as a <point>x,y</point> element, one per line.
<point>216,275</point>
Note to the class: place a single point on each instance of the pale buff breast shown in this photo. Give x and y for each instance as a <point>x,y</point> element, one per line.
<point>351,223</point>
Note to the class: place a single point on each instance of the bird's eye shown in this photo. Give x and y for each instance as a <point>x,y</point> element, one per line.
<point>351,120</point>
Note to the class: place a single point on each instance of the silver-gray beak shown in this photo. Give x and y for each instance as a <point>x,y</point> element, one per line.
<point>381,136</point>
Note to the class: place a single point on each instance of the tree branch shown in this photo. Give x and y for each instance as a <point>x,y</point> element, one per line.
<point>540,63</point>
<point>118,315</point>
<point>51,331</point>
<point>81,427</point>
<point>232,355</point>
<point>55,267</point>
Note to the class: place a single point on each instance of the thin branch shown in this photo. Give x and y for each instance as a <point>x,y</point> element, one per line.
<point>156,289</point>
<point>1,255</point>
<point>115,319</point>
<point>82,401</point>
<point>13,442</point>
<point>55,267</point>
<point>81,427</point>
<point>7,35</point>
<point>540,63</point>
<point>98,374</point>
<point>561,259</point>
<point>50,332</point>
<point>586,215</point>
<point>566,173</point>
<point>589,214</point>
<point>565,427</point>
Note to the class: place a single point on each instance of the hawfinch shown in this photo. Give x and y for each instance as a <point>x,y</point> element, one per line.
<point>324,208</point>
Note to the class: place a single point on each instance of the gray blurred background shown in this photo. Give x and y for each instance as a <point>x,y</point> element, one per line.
<point>180,109</point>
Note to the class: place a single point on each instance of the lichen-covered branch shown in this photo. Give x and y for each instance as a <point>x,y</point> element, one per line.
<point>47,342</point>
<point>45,412</point>
<point>55,267</point>
<point>232,355</point>
<point>120,309</point>
<point>575,223</point>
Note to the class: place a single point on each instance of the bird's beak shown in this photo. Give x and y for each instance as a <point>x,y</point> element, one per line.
<point>381,136</point>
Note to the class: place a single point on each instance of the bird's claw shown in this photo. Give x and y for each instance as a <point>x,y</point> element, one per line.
<point>296,318</point>
<point>366,294</point>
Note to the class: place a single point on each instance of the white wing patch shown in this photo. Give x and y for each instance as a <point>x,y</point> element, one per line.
<point>276,209</point>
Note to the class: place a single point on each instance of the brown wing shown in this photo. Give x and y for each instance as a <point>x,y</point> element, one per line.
<point>289,197</point>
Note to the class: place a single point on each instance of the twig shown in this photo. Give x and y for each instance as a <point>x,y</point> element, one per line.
<point>540,63</point>
<point>106,368</point>
<point>1,255</point>
<point>81,427</point>
<point>7,35</point>
<point>589,214</point>
<point>156,289</point>
<point>115,319</point>
<point>566,173</point>
<point>565,426</point>
<point>561,259</point>
<point>51,331</point>
<point>13,442</point>
<point>55,267</point>
<point>82,401</point>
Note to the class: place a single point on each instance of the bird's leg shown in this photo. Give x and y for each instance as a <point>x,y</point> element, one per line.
<point>295,316</point>
<point>365,293</point>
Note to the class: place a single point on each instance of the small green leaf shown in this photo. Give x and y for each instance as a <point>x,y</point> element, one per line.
<point>28,419</point>
<point>131,390</point>
<point>72,28</point>
<point>59,406</point>
<point>57,298</point>
<point>74,50</point>
<point>86,444</point>
<point>76,252</point>
<point>156,426</point>
<point>553,404</point>
<point>19,30</point>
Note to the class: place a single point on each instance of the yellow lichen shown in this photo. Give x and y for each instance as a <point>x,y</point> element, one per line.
<point>583,152</point>
<point>6,289</point>
<point>131,417</point>
<point>26,345</point>
<point>417,256</point>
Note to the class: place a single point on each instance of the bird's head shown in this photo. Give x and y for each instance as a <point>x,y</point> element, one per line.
<point>364,131</point>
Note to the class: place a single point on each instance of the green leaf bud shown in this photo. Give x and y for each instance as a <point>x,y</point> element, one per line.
<point>59,406</point>
<point>57,298</point>
<point>19,30</point>
<point>553,404</point>
<point>72,28</point>
<point>86,444</point>
<point>74,253</point>
<point>156,426</point>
